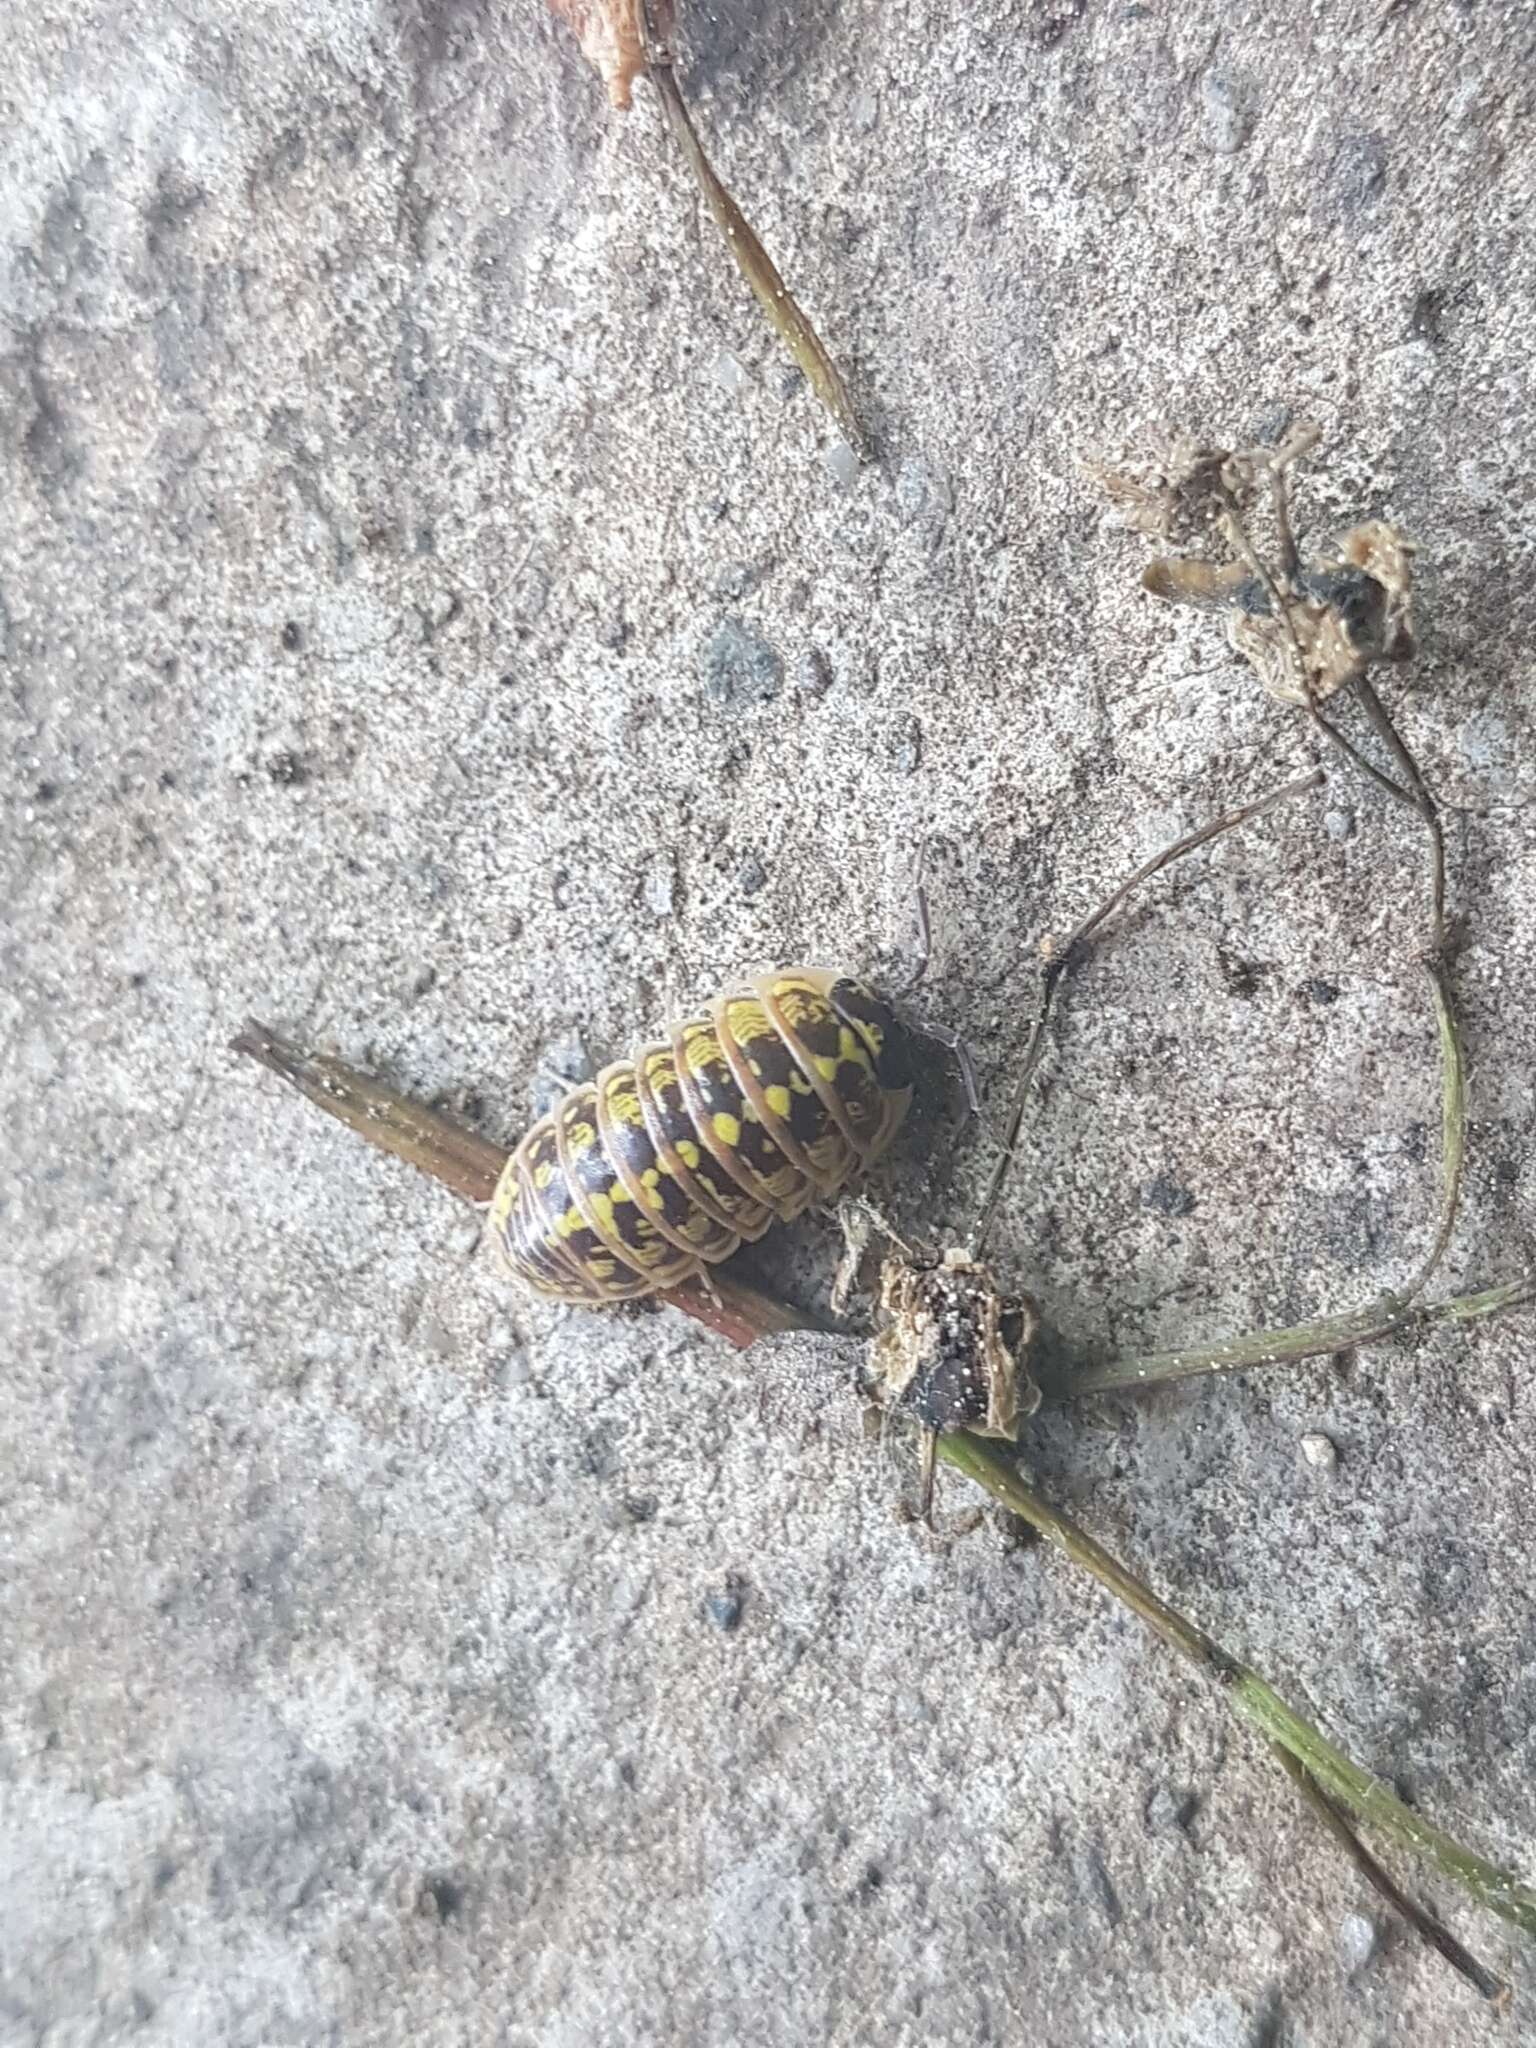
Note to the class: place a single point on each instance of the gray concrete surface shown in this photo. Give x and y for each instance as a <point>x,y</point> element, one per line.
<point>431,619</point>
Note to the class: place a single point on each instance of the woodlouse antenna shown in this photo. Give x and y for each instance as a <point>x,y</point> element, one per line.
<point>1063,959</point>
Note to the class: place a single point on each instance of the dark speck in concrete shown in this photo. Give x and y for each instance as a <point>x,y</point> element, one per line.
<point>442,1897</point>
<point>1352,180</point>
<point>723,1607</point>
<point>813,673</point>
<point>1166,1196</point>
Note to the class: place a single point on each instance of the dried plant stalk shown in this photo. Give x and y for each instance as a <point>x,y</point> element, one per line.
<point>623,39</point>
<point>1253,1700</point>
<point>1311,629</point>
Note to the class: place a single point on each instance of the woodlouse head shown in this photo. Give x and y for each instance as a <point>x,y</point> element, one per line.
<point>953,1352</point>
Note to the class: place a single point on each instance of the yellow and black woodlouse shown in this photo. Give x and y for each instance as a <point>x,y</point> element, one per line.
<point>782,1093</point>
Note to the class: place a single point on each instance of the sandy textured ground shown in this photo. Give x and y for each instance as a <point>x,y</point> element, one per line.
<point>433,616</point>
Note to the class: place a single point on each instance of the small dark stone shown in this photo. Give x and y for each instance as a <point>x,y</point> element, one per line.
<point>871,1881</point>
<point>1323,992</point>
<point>1242,977</point>
<point>740,668</point>
<point>45,792</point>
<point>289,770</point>
<point>442,1896</point>
<point>751,875</point>
<point>722,1609</point>
<point>1425,316</point>
<point>293,636</point>
<point>640,1507</point>
<point>813,673</point>
<point>1167,1196</point>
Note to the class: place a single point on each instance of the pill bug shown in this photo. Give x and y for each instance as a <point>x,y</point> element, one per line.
<point>778,1096</point>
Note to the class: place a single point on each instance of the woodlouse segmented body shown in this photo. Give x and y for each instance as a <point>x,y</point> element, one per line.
<point>777,1097</point>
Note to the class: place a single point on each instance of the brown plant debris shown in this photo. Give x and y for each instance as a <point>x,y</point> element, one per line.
<point>611,41</point>
<point>622,39</point>
<point>1306,628</point>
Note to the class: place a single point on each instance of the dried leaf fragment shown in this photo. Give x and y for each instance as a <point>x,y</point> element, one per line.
<point>609,34</point>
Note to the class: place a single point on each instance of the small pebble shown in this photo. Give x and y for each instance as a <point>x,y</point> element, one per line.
<point>1319,1451</point>
<point>740,668</point>
<point>728,373</point>
<point>722,1609</point>
<point>1339,824</point>
<point>1226,112</point>
<point>863,111</point>
<point>1359,1939</point>
<point>842,465</point>
<point>751,875</point>
<point>464,1238</point>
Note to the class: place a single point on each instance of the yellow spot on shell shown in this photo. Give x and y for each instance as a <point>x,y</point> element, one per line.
<point>602,1208</point>
<point>777,1099</point>
<point>619,1193</point>
<point>726,1128</point>
<point>543,1174</point>
<point>826,1066</point>
<point>581,1137</point>
<point>567,1223</point>
<point>800,1084</point>
<point>687,1151</point>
